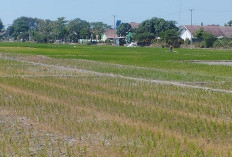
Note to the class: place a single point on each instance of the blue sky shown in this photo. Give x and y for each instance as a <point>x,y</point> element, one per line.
<point>206,11</point>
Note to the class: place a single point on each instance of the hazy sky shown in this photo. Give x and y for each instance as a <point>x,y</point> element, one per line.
<point>206,11</point>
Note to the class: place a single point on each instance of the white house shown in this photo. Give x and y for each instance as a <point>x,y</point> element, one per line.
<point>185,33</point>
<point>188,31</point>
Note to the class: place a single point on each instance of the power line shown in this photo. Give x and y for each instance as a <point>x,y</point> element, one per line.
<point>218,11</point>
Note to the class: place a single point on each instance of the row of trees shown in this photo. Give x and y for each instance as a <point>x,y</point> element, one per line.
<point>152,30</point>
<point>44,31</point>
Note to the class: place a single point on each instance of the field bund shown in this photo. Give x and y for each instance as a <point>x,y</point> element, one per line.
<point>228,63</point>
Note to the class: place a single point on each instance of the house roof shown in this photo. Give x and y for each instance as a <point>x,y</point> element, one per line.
<point>111,33</point>
<point>134,25</point>
<point>218,31</point>
<point>227,31</point>
<point>2,33</point>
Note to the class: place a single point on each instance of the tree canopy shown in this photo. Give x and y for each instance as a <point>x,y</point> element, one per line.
<point>78,29</point>
<point>170,36</point>
<point>44,31</point>
<point>99,27</point>
<point>22,26</point>
<point>144,39</point>
<point>156,26</point>
<point>199,34</point>
<point>124,29</point>
<point>59,29</point>
<point>229,23</point>
<point>207,39</point>
<point>1,25</point>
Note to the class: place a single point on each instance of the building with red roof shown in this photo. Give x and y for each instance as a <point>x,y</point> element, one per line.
<point>188,31</point>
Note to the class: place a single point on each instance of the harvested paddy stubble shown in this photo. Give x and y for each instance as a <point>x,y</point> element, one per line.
<point>70,113</point>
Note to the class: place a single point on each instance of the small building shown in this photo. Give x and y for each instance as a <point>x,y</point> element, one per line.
<point>188,31</point>
<point>2,34</point>
<point>109,34</point>
<point>120,41</point>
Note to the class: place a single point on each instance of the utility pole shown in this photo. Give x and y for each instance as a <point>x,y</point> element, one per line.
<point>191,10</point>
<point>114,21</point>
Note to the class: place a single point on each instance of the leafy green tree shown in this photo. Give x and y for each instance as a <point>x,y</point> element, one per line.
<point>207,39</point>
<point>78,29</point>
<point>44,32</point>
<point>153,28</point>
<point>1,25</point>
<point>124,29</point>
<point>60,30</point>
<point>156,26</point>
<point>144,39</point>
<point>24,36</point>
<point>23,26</point>
<point>229,23</point>
<point>170,36</point>
<point>97,28</point>
<point>199,34</point>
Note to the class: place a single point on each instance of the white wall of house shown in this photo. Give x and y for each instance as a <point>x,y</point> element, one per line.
<point>185,34</point>
<point>104,38</point>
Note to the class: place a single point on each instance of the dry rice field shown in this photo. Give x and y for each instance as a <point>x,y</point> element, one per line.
<point>63,107</point>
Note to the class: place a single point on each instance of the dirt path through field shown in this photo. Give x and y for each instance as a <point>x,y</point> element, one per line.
<point>225,63</point>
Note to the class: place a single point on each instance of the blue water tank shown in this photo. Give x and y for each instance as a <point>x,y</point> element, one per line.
<point>118,23</point>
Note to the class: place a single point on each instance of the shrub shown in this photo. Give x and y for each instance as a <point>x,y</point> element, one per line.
<point>144,39</point>
<point>203,44</point>
<point>225,43</point>
<point>209,39</point>
<point>109,42</point>
<point>41,38</point>
<point>187,42</point>
<point>178,42</point>
<point>206,38</point>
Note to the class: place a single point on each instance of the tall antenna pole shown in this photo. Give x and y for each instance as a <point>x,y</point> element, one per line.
<point>191,10</point>
<point>114,21</point>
